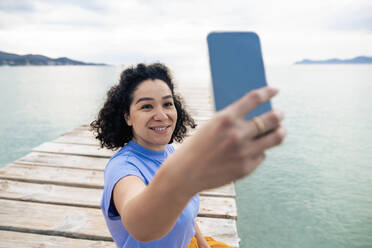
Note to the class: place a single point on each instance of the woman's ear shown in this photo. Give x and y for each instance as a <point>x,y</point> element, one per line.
<point>127,119</point>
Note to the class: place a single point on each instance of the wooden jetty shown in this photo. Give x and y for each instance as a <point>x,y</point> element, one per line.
<point>51,196</point>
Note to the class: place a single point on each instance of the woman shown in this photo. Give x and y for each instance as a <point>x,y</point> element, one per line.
<point>150,197</point>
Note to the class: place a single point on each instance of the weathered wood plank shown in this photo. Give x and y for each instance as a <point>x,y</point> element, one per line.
<point>31,240</point>
<point>80,140</point>
<point>76,177</point>
<point>74,149</point>
<point>49,219</point>
<point>79,132</point>
<point>62,160</point>
<point>54,175</point>
<point>216,207</point>
<point>227,190</point>
<point>78,137</point>
<point>84,223</point>
<point>50,193</point>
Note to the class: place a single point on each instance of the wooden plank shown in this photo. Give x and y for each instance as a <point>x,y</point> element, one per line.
<point>227,190</point>
<point>84,223</point>
<point>84,127</point>
<point>31,240</point>
<point>50,193</point>
<point>216,207</point>
<point>79,132</point>
<point>195,95</point>
<point>199,103</point>
<point>56,220</point>
<point>80,140</point>
<point>196,115</point>
<point>203,118</point>
<point>54,175</point>
<point>76,177</point>
<point>62,160</point>
<point>78,136</point>
<point>73,149</point>
<point>194,107</point>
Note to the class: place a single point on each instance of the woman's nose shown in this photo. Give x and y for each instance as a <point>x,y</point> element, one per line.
<point>160,115</point>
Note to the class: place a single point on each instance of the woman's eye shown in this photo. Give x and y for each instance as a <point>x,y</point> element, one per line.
<point>168,104</point>
<point>146,106</point>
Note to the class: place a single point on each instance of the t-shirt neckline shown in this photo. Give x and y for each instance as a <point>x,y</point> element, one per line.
<point>148,152</point>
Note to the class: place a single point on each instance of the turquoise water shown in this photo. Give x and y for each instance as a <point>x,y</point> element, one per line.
<point>38,104</point>
<point>315,191</point>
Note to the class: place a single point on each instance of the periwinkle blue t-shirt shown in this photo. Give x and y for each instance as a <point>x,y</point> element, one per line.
<point>136,160</point>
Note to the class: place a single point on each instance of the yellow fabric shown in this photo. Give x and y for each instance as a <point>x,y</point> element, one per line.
<point>211,242</point>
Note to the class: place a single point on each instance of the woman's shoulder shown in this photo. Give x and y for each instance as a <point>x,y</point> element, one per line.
<point>121,165</point>
<point>125,153</point>
<point>122,157</point>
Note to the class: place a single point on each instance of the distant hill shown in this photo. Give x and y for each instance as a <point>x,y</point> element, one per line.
<point>35,59</point>
<point>356,60</point>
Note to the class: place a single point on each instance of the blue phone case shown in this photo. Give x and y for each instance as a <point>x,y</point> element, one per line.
<point>237,67</point>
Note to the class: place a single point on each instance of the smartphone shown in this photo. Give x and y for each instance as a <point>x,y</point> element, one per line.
<point>236,67</point>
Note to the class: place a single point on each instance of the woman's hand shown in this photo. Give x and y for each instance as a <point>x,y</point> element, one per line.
<point>227,148</point>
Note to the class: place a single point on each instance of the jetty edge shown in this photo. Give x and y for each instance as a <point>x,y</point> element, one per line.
<point>51,196</point>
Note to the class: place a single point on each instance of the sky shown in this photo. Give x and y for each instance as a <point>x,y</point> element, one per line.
<point>174,32</point>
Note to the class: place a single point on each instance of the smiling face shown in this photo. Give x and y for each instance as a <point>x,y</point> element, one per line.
<point>152,114</point>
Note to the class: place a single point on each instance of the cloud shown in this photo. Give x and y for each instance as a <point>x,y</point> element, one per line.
<point>57,15</point>
<point>14,6</point>
<point>91,5</point>
<point>354,18</point>
<point>128,31</point>
<point>11,6</point>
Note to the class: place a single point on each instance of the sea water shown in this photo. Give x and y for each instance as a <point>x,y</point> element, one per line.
<point>313,191</point>
<point>316,189</point>
<point>38,104</point>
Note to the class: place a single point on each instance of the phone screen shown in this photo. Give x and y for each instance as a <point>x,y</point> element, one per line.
<point>236,67</point>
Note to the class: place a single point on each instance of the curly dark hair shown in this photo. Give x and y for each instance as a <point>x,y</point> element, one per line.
<point>110,126</point>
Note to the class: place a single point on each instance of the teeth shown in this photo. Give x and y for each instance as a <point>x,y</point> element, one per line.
<point>159,128</point>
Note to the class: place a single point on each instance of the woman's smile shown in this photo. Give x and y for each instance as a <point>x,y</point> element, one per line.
<point>160,129</point>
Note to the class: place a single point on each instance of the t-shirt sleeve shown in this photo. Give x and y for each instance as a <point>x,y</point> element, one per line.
<point>117,169</point>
